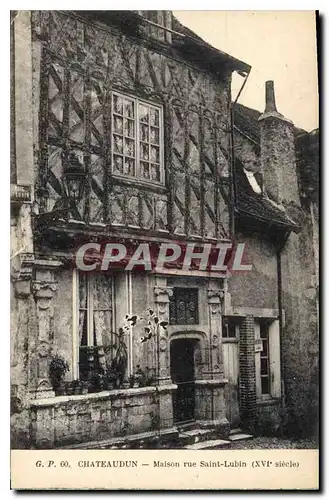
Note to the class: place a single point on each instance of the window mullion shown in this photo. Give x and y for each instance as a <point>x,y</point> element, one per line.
<point>90,336</point>
<point>137,172</point>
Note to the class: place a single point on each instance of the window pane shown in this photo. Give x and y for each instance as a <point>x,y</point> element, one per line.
<point>117,104</point>
<point>144,132</point>
<point>144,151</point>
<point>263,366</point>
<point>155,154</point>
<point>145,170</point>
<point>143,112</point>
<point>117,164</point>
<point>264,351</point>
<point>154,135</point>
<point>154,117</point>
<point>155,172</point>
<point>129,128</point>
<point>117,125</point>
<point>263,331</point>
<point>129,168</point>
<point>82,291</point>
<point>118,144</point>
<point>83,328</point>
<point>129,147</point>
<point>129,108</point>
<point>265,385</point>
<point>101,291</point>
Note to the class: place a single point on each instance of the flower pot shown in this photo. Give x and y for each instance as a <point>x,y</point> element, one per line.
<point>60,390</point>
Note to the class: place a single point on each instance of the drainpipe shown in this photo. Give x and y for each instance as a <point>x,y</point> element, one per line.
<point>233,188</point>
<point>281,323</point>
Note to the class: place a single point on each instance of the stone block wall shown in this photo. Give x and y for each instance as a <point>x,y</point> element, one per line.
<point>67,420</point>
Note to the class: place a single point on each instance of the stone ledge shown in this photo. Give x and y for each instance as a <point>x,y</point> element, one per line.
<point>257,312</point>
<point>268,402</point>
<point>166,388</point>
<point>125,440</point>
<point>95,396</point>
<point>212,382</point>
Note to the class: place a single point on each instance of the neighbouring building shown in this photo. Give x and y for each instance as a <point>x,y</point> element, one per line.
<point>123,129</point>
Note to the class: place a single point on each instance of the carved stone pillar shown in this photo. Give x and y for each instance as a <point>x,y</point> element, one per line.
<point>44,288</point>
<point>162,299</point>
<point>43,293</point>
<point>165,387</point>
<point>215,299</point>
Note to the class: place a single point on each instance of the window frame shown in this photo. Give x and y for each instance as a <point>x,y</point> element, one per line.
<point>274,359</point>
<point>236,321</point>
<point>265,340</point>
<point>89,311</point>
<point>151,104</point>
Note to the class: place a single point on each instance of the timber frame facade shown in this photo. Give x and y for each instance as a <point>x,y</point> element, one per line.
<point>143,107</point>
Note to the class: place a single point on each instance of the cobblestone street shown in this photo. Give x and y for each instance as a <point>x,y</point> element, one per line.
<point>263,443</point>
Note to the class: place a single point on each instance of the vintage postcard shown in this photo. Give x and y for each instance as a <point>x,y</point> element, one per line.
<point>164,250</point>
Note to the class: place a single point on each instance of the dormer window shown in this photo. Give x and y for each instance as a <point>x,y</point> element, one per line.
<point>157,18</point>
<point>137,144</point>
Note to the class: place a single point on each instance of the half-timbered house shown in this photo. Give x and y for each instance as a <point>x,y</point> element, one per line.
<point>122,130</point>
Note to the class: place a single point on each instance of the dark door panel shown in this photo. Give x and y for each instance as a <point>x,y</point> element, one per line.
<point>182,374</point>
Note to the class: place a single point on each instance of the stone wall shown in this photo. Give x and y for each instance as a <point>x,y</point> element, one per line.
<point>66,420</point>
<point>258,287</point>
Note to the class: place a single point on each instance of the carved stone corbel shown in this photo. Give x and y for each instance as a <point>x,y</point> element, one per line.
<point>43,292</point>
<point>215,300</point>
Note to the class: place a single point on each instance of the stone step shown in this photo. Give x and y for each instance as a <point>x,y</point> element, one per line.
<point>193,436</point>
<point>240,436</point>
<point>237,430</point>
<point>211,444</point>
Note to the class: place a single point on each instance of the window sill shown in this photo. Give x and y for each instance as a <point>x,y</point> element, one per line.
<point>137,182</point>
<point>267,400</point>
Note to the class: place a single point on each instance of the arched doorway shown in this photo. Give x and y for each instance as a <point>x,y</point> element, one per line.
<point>182,370</point>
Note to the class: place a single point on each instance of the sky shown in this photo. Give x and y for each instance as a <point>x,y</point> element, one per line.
<point>278,45</point>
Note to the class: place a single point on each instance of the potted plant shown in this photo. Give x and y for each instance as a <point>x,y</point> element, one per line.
<point>119,362</point>
<point>139,377</point>
<point>112,377</point>
<point>131,380</point>
<point>57,369</point>
<point>99,382</point>
<point>83,387</point>
<point>126,384</point>
<point>70,387</point>
<point>149,376</point>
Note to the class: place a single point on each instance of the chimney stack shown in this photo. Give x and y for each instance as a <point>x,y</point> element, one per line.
<point>270,97</point>
<point>277,151</point>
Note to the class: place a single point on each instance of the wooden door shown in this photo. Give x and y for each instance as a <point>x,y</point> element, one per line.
<point>182,374</point>
<point>231,372</point>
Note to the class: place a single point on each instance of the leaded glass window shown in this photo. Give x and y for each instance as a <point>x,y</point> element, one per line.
<point>137,129</point>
